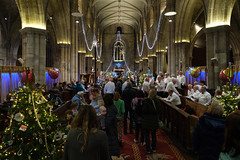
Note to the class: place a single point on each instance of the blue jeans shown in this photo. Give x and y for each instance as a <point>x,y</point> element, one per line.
<point>147,139</point>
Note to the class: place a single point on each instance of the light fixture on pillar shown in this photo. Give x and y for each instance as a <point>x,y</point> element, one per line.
<point>77,14</point>
<point>95,60</point>
<point>170,8</point>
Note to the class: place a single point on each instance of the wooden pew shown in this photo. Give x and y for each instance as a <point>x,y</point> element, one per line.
<point>180,123</point>
<point>197,107</point>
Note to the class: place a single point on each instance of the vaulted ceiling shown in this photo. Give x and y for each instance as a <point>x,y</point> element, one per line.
<point>119,12</point>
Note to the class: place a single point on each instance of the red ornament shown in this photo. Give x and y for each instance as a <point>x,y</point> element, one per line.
<point>223,75</point>
<point>53,73</point>
<point>31,77</point>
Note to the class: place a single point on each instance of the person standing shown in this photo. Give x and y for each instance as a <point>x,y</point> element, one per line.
<point>85,140</point>
<point>120,107</point>
<point>151,112</point>
<point>111,125</point>
<point>127,96</point>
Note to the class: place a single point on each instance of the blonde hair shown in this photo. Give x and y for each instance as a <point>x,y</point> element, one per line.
<point>152,93</point>
<point>215,109</point>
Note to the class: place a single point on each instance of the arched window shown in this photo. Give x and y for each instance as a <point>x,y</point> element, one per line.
<point>119,51</point>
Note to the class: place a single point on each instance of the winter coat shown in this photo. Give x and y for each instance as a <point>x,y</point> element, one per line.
<point>137,105</point>
<point>111,130</point>
<point>96,148</point>
<point>127,96</point>
<point>208,136</point>
<point>150,115</point>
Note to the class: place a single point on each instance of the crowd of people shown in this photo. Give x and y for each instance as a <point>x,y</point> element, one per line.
<point>100,114</point>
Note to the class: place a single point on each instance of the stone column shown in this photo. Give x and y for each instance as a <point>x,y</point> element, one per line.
<point>68,63</point>
<point>65,61</point>
<point>89,64</point>
<point>159,62</point>
<point>73,48</point>
<point>171,47</point>
<point>145,65</point>
<point>34,51</point>
<point>217,45</point>
<point>164,61</point>
<point>183,54</point>
<point>152,64</point>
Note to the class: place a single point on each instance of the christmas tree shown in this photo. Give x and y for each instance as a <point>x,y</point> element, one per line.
<point>229,98</point>
<point>33,132</point>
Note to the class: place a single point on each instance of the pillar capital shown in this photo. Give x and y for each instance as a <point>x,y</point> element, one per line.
<point>224,28</point>
<point>29,30</point>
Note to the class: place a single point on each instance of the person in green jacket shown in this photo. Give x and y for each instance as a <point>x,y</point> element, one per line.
<point>120,107</point>
<point>231,146</point>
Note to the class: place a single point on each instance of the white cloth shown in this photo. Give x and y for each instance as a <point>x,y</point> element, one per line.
<point>146,86</point>
<point>171,86</point>
<point>238,97</point>
<point>160,86</point>
<point>124,85</point>
<point>195,95</point>
<point>174,99</point>
<point>205,98</point>
<point>109,88</point>
<point>167,80</point>
<point>190,92</point>
<point>181,79</point>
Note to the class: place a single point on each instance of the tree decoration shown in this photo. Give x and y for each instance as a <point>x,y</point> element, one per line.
<point>195,73</point>
<point>229,98</point>
<point>53,73</point>
<point>28,79</point>
<point>226,75</point>
<point>28,135</point>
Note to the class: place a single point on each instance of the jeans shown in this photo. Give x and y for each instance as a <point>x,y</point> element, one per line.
<point>138,128</point>
<point>128,109</point>
<point>147,139</point>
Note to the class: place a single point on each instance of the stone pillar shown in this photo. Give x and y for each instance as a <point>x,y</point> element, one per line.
<point>152,64</point>
<point>89,64</point>
<point>145,65</point>
<point>64,61</point>
<point>82,63</point>
<point>140,66</point>
<point>183,59</point>
<point>217,45</point>
<point>34,51</point>
<point>68,63</point>
<point>171,47</point>
<point>159,62</point>
<point>73,48</point>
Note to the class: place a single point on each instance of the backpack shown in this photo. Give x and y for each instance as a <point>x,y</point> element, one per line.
<point>137,112</point>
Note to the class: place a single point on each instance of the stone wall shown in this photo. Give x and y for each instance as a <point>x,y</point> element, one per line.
<point>110,37</point>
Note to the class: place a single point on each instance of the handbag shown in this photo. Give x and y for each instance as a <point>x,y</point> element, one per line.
<point>160,123</point>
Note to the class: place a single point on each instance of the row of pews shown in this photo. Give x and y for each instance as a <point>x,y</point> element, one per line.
<point>180,123</point>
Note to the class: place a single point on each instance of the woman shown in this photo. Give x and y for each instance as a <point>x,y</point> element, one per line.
<point>151,112</point>
<point>111,125</point>
<point>84,140</point>
<point>208,134</point>
<point>137,104</point>
<point>97,100</point>
<point>231,146</point>
<point>120,107</point>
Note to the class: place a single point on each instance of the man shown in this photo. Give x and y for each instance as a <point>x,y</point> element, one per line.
<point>127,96</point>
<point>146,86</point>
<point>125,83</point>
<point>181,79</point>
<point>204,97</point>
<point>167,79</point>
<point>195,94</point>
<point>173,98</point>
<point>79,99</point>
<point>171,86</point>
<point>109,87</point>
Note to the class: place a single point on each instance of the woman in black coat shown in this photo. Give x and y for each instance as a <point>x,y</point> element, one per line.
<point>151,112</point>
<point>111,125</point>
<point>84,140</point>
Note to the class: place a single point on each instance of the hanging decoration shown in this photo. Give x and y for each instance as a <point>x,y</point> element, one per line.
<point>53,73</point>
<point>226,75</point>
<point>195,73</point>
<point>145,38</point>
<point>30,78</point>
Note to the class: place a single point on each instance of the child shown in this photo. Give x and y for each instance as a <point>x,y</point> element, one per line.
<point>69,118</point>
<point>101,117</point>
<point>74,107</point>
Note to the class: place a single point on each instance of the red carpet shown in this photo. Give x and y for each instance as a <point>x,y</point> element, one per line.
<point>165,149</point>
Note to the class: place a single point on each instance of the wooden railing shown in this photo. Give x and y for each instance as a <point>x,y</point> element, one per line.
<point>180,123</point>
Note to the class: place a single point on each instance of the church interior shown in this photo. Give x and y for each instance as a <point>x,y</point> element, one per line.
<point>183,55</point>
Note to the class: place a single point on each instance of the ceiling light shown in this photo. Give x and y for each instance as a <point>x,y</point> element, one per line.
<point>77,21</point>
<point>5,18</point>
<point>170,13</point>
<point>50,17</point>
<point>170,20</point>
